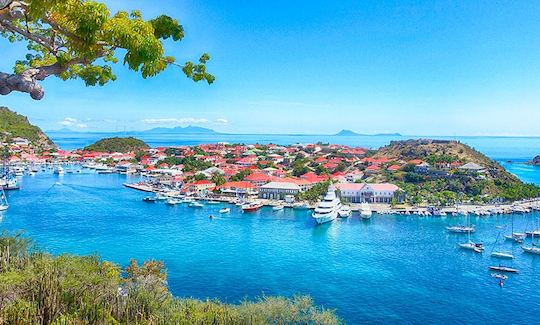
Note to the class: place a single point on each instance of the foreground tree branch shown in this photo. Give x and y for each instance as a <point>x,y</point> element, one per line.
<point>78,39</point>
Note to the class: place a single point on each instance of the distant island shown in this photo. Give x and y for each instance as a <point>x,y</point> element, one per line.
<point>182,130</point>
<point>349,133</point>
<point>117,144</point>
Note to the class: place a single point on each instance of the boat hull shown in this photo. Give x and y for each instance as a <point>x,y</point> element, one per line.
<point>324,218</point>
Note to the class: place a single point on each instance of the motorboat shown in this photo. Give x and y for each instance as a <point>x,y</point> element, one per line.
<point>365,211</point>
<point>149,199</point>
<point>327,209</point>
<point>213,202</point>
<point>278,208</point>
<point>251,207</point>
<point>225,210</point>
<point>345,211</point>
<point>172,201</point>
<point>59,170</point>
<point>196,204</point>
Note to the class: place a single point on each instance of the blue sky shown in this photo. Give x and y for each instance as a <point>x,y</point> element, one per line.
<point>414,67</point>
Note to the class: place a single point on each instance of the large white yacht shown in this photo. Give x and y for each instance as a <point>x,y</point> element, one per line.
<point>365,211</point>
<point>327,209</point>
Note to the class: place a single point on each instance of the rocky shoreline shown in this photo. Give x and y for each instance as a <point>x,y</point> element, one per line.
<point>535,161</point>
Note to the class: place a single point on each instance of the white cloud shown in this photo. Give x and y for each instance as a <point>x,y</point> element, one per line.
<point>221,121</point>
<point>72,122</point>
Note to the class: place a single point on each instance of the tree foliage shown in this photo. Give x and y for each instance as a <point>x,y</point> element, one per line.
<point>117,144</point>
<point>39,288</point>
<point>82,39</point>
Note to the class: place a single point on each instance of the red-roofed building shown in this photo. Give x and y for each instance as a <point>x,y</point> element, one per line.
<point>242,188</point>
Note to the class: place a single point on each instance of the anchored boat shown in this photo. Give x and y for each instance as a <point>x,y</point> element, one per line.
<point>327,209</point>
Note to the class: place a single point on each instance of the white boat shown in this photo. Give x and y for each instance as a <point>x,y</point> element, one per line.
<point>161,196</point>
<point>503,255</point>
<point>278,208</point>
<point>327,209</point>
<point>518,237</point>
<point>3,200</point>
<point>225,210</point>
<point>365,211</point>
<point>531,249</point>
<point>59,170</point>
<point>502,268</point>
<point>499,276</point>
<point>470,245</point>
<point>461,229</point>
<point>345,211</point>
<point>172,201</point>
<point>195,204</point>
<point>213,202</point>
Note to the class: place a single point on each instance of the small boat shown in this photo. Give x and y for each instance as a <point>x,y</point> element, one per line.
<point>251,207</point>
<point>149,199</point>
<point>196,205</point>
<point>161,197</point>
<point>345,211</point>
<point>225,210</point>
<point>502,268</point>
<point>172,201</point>
<point>3,200</point>
<point>499,276</point>
<point>59,170</point>
<point>365,211</point>
<point>470,245</point>
<point>503,255</point>
<point>461,229</point>
<point>278,208</point>
<point>516,236</point>
<point>531,249</point>
<point>213,202</point>
<point>105,171</point>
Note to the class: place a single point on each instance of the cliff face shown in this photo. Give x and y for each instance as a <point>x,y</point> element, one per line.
<point>13,125</point>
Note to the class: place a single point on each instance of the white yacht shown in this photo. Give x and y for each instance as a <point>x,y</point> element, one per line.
<point>365,211</point>
<point>277,207</point>
<point>327,209</point>
<point>345,211</point>
<point>59,170</point>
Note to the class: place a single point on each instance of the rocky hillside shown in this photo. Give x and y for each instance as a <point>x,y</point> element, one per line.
<point>449,173</point>
<point>535,161</point>
<point>117,144</point>
<point>13,125</point>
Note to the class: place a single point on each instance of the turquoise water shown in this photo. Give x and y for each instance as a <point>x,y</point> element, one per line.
<point>522,148</point>
<point>402,269</point>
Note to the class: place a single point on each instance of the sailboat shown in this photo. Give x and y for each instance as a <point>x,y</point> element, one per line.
<point>3,200</point>
<point>470,245</point>
<point>515,236</point>
<point>500,254</point>
<point>533,249</point>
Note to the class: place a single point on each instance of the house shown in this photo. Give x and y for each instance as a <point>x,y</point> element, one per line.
<point>278,190</point>
<point>422,168</point>
<point>238,189</point>
<point>472,167</point>
<point>201,187</point>
<point>370,193</point>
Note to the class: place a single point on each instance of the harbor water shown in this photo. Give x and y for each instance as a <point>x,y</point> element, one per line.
<point>390,269</point>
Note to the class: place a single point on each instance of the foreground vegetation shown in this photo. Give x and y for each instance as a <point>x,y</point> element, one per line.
<point>39,288</point>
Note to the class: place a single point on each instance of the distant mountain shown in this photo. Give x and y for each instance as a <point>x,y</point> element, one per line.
<point>346,133</point>
<point>182,130</point>
<point>535,161</point>
<point>349,133</point>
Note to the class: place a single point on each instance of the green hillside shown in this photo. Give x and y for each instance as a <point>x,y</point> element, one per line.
<point>14,125</point>
<point>117,144</point>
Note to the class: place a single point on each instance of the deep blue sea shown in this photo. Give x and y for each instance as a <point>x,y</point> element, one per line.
<point>391,269</point>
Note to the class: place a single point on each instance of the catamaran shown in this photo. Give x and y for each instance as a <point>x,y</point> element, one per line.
<point>470,245</point>
<point>3,200</point>
<point>327,209</point>
<point>365,211</point>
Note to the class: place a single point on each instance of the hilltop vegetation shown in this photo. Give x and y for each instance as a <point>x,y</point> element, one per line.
<point>38,288</point>
<point>118,144</point>
<point>443,182</point>
<point>13,125</point>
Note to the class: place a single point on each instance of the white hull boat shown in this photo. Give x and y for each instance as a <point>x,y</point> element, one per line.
<point>327,209</point>
<point>531,249</point>
<point>345,211</point>
<point>278,208</point>
<point>365,211</point>
<point>224,210</point>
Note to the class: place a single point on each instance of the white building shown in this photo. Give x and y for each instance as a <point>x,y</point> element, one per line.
<point>370,193</point>
<point>278,190</point>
